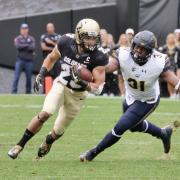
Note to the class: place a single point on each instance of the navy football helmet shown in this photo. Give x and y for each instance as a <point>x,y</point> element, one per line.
<point>142,46</point>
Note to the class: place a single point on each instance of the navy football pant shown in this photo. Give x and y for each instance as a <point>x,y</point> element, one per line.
<point>133,119</point>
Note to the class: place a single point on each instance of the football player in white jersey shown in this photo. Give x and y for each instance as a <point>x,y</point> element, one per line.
<point>141,66</point>
<point>69,91</point>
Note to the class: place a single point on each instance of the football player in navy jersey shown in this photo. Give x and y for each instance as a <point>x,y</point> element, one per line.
<point>68,91</point>
<point>48,41</point>
<point>141,65</point>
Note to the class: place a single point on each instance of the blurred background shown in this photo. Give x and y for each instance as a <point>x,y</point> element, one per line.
<point>115,16</point>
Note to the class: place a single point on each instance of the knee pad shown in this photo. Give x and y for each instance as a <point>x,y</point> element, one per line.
<point>43,116</point>
<point>142,127</point>
<point>115,134</point>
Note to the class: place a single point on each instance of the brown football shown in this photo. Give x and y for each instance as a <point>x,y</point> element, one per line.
<point>86,74</point>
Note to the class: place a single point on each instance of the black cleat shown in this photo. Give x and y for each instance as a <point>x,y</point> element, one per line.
<point>166,138</point>
<point>43,150</point>
<point>176,125</point>
<point>88,156</point>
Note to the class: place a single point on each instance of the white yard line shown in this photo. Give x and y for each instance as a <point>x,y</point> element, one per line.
<point>32,106</point>
<point>89,96</point>
<point>38,106</point>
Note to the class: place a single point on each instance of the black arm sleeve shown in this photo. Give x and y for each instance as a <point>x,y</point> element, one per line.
<point>167,65</point>
<point>63,43</point>
<point>102,60</point>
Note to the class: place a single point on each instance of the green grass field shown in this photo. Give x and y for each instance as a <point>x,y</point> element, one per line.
<point>136,156</point>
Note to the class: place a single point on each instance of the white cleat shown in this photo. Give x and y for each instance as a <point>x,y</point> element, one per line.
<point>14,152</point>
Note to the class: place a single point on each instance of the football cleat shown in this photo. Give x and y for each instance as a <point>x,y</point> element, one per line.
<point>14,152</point>
<point>176,124</point>
<point>166,138</point>
<point>88,156</point>
<point>43,150</point>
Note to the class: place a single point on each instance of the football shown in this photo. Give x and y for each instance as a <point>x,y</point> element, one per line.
<point>86,74</point>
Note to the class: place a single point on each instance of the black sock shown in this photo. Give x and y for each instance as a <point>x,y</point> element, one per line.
<point>49,139</point>
<point>26,137</point>
<point>108,141</point>
<point>154,130</point>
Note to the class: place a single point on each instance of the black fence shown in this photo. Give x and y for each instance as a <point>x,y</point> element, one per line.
<point>65,21</point>
<point>136,14</point>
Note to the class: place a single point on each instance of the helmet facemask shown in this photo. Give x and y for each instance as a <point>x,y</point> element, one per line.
<point>142,47</point>
<point>140,54</point>
<point>89,42</point>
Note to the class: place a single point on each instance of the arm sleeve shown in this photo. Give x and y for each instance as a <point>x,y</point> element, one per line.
<point>31,46</point>
<point>102,60</point>
<point>167,65</point>
<point>62,43</point>
<point>20,45</point>
<point>42,38</point>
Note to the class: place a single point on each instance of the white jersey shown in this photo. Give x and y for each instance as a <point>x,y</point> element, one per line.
<point>141,82</point>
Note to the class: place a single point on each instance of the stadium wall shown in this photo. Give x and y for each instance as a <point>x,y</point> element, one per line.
<point>65,21</point>
<point>160,16</point>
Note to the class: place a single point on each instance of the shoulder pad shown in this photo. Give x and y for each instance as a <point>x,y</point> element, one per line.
<point>72,36</point>
<point>158,55</point>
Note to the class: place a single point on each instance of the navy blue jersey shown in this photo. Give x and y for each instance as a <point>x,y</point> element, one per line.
<point>44,39</point>
<point>67,46</point>
<point>25,46</point>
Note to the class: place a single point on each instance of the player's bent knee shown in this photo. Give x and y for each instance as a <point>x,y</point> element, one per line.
<point>55,135</point>
<point>133,130</point>
<point>58,131</point>
<point>43,116</point>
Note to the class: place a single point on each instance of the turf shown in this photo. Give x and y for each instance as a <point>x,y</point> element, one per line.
<point>137,156</point>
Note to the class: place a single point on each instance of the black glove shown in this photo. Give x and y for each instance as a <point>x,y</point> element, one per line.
<point>39,79</point>
<point>75,74</point>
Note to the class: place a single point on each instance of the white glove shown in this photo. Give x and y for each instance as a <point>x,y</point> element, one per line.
<point>97,91</point>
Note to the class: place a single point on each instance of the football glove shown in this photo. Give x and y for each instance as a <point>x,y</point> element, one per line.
<point>39,79</point>
<point>97,91</point>
<point>75,75</point>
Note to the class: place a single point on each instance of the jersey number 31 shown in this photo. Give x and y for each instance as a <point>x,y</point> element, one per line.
<point>136,84</point>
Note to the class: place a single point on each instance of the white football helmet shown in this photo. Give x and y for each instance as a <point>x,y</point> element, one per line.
<point>87,28</point>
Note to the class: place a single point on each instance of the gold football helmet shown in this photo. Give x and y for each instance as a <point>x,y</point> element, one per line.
<point>87,28</point>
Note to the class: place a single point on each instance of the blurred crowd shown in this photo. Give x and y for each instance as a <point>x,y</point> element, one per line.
<point>114,86</point>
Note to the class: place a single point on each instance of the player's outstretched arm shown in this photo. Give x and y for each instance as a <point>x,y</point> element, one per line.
<point>112,66</point>
<point>50,60</point>
<point>47,65</point>
<point>97,85</point>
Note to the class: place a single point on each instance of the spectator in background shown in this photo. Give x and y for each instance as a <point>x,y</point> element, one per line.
<point>111,81</point>
<point>173,52</point>
<point>130,33</point>
<point>124,40</point>
<point>110,40</point>
<point>177,35</point>
<point>48,41</point>
<point>104,38</point>
<point>25,45</point>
